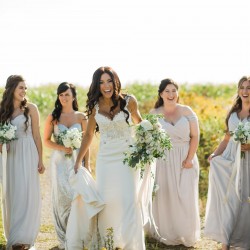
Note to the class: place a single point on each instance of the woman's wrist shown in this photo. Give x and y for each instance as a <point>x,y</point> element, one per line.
<point>213,155</point>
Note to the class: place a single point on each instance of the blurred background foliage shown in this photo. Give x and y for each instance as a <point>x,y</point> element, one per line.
<point>210,102</point>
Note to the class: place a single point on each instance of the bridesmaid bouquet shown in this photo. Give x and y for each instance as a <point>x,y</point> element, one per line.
<point>7,133</point>
<point>242,134</point>
<point>71,138</point>
<point>151,141</point>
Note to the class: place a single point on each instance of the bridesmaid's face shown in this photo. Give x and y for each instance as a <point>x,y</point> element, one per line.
<point>20,92</point>
<point>66,98</point>
<point>170,94</point>
<point>106,86</point>
<point>244,91</point>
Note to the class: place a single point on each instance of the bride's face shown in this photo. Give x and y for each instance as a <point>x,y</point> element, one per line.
<point>106,86</point>
<point>244,91</point>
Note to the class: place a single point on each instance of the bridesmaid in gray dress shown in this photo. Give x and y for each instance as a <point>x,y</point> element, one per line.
<point>176,205</point>
<point>228,206</point>
<point>21,204</point>
<point>65,116</point>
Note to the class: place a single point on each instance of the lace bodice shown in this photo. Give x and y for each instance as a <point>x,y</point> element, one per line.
<point>116,129</point>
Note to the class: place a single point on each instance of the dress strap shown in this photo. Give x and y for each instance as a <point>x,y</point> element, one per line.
<point>97,107</point>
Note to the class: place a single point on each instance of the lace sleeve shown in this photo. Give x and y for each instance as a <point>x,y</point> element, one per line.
<point>127,98</point>
<point>191,118</point>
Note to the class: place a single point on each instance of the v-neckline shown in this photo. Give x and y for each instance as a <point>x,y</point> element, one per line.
<point>174,124</point>
<point>108,117</point>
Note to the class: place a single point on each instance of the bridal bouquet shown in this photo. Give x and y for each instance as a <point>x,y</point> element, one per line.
<point>242,134</point>
<point>71,138</point>
<point>7,133</point>
<point>151,141</point>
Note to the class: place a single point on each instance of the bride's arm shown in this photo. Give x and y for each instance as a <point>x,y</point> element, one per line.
<point>84,124</point>
<point>134,111</point>
<point>86,141</point>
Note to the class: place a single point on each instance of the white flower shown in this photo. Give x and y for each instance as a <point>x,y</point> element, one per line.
<point>71,138</point>
<point>77,143</point>
<point>7,133</point>
<point>146,125</point>
<point>67,142</point>
<point>150,143</point>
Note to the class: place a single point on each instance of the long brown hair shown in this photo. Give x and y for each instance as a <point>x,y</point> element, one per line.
<point>164,83</point>
<point>7,105</point>
<point>94,93</point>
<point>237,105</point>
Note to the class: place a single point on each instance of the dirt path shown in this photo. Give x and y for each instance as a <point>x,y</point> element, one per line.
<point>47,238</point>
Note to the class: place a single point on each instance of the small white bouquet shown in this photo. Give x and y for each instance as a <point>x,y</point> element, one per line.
<point>71,138</point>
<point>151,142</point>
<point>7,133</point>
<point>242,134</point>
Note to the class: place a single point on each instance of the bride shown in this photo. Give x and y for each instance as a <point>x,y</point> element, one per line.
<point>111,113</point>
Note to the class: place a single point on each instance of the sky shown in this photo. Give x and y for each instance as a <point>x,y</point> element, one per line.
<point>190,41</point>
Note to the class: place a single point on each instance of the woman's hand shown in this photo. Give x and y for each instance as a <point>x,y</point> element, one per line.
<point>41,168</point>
<point>77,165</point>
<point>187,163</point>
<point>68,151</point>
<point>211,157</point>
<point>245,147</point>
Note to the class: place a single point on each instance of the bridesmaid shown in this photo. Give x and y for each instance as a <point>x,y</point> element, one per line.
<point>175,207</point>
<point>65,116</point>
<point>228,214</point>
<point>22,203</point>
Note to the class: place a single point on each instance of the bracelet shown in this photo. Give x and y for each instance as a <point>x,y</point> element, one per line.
<point>213,155</point>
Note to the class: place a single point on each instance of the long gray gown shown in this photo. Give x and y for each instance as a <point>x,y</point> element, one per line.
<point>228,214</point>
<point>22,206</point>
<point>62,193</point>
<point>176,205</point>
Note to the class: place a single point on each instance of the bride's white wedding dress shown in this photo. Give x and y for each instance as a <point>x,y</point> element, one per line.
<point>118,185</point>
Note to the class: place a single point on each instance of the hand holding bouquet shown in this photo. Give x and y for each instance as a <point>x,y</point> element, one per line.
<point>70,138</point>
<point>242,134</point>
<point>7,133</point>
<point>151,141</point>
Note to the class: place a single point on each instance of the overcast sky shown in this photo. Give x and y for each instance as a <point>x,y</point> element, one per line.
<point>50,41</point>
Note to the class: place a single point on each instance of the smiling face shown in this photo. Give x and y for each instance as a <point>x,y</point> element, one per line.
<point>106,86</point>
<point>244,92</point>
<point>20,92</point>
<point>170,94</point>
<point>66,98</point>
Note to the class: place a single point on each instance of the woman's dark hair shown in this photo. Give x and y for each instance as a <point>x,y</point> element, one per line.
<point>7,105</point>
<point>237,105</point>
<point>94,93</point>
<point>64,86</point>
<point>163,85</point>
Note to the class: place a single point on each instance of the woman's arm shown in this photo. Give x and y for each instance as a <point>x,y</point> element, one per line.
<point>35,124</point>
<point>48,131</point>
<point>220,149</point>
<point>194,138</point>
<point>86,141</point>
<point>134,111</point>
<point>84,123</point>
